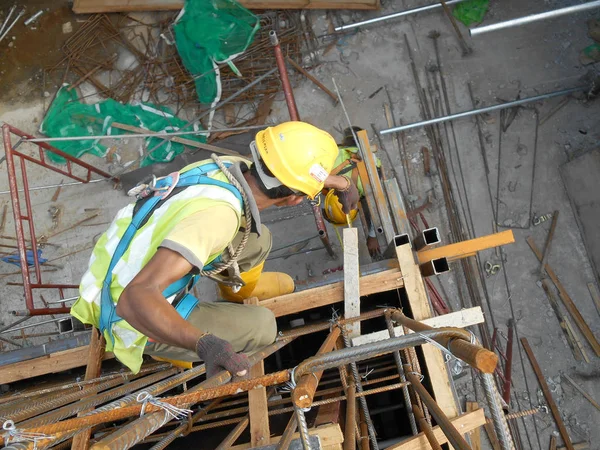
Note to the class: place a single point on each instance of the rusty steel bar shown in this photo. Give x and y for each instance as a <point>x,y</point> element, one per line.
<point>308,75</point>
<point>136,431</point>
<point>349,436</point>
<point>459,346</point>
<point>98,399</point>
<point>304,391</point>
<point>508,364</point>
<point>426,428</point>
<point>283,74</point>
<point>454,437</point>
<point>293,110</point>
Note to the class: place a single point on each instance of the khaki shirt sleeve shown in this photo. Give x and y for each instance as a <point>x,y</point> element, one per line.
<point>202,234</point>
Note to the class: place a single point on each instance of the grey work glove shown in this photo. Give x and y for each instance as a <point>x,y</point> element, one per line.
<point>218,354</point>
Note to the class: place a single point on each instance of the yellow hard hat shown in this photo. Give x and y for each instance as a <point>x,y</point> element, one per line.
<point>299,155</point>
<point>333,210</point>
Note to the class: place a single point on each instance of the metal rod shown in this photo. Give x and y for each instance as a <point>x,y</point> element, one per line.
<point>12,10</point>
<point>283,74</point>
<point>395,15</point>
<point>481,110</point>
<point>50,186</point>
<point>34,17</point>
<point>43,322</point>
<point>349,437</point>
<point>141,135</point>
<point>12,24</point>
<point>498,418</point>
<point>398,360</point>
<point>454,437</point>
<point>548,244</point>
<point>426,428</point>
<point>303,427</point>
<point>534,18</point>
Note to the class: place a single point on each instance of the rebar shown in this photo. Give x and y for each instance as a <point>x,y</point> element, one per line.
<point>359,390</point>
<point>399,366</point>
<point>482,110</point>
<point>303,427</point>
<point>498,418</point>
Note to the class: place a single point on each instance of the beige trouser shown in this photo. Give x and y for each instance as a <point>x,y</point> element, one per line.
<point>246,327</point>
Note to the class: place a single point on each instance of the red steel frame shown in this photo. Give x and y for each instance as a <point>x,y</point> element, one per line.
<point>11,152</point>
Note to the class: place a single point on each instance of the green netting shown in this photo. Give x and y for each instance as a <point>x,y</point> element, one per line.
<point>68,117</point>
<point>471,11</point>
<point>210,32</point>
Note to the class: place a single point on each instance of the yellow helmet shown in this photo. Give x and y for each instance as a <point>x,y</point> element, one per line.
<point>299,155</point>
<point>333,210</point>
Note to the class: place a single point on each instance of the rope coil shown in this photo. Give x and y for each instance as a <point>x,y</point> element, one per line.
<point>174,412</point>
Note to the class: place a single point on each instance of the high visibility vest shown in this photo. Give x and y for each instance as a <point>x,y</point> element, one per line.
<point>131,241</point>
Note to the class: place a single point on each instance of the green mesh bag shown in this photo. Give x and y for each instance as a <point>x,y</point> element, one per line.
<point>211,32</point>
<point>68,117</point>
<point>471,11</point>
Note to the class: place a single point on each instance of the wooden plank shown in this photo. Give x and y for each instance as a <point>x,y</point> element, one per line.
<point>458,319</point>
<point>329,435</point>
<point>464,249</point>
<point>283,305</point>
<point>104,6</point>
<point>547,394</point>
<point>578,446</point>
<point>351,280</point>
<point>476,433</point>
<point>579,389</point>
<point>421,309</point>
<point>595,295</point>
<point>568,302</point>
<point>53,363</point>
<point>464,424</point>
<point>260,433</point>
<point>97,348</point>
<point>491,434</point>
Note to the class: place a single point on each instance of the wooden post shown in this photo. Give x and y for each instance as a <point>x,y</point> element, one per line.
<point>351,280</point>
<point>476,433</point>
<point>260,434</point>
<point>93,370</point>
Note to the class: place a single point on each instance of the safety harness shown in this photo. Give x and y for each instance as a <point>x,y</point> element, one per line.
<point>150,197</point>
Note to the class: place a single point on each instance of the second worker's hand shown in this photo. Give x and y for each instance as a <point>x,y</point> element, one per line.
<point>218,354</point>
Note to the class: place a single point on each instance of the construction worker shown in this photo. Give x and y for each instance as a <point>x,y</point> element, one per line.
<point>204,221</point>
<point>345,165</point>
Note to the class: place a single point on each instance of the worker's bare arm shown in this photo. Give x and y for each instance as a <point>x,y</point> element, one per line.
<point>146,309</point>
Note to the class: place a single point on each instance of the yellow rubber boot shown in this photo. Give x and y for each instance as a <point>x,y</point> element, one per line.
<point>258,284</point>
<point>175,362</point>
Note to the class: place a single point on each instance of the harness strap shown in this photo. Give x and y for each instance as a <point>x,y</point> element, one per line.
<point>194,176</point>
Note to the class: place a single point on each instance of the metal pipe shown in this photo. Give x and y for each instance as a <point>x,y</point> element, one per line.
<point>395,15</point>
<point>283,74</point>
<point>430,236</point>
<point>43,322</point>
<point>141,135</point>
<point>454,437</point>
<point>50,186</point>
<point>534,18</point>
<point>12,24</point>
<point>40,311</point>
<point>481,110</point>
<point>34,17</point>
<point>10,13</point>
<point>434,267</point>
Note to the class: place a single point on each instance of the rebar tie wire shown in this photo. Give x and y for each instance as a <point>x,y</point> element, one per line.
<point>13,434</point>
<point>174,412</point>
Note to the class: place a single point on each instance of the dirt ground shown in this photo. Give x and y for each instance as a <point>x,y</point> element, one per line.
<point>522,180</point>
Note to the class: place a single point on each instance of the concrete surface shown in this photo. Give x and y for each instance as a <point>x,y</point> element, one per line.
<point>530,60</point>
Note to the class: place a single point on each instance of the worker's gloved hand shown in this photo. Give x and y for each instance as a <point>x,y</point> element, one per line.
<point>348,197</point>
<point>218,355</point>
